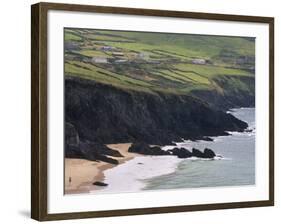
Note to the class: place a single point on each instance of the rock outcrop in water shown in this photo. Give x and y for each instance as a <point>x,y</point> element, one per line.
<point>185,153</point>
<point>181,152</point>
<point>106,114</point>
<point>197,153</point>
<point>145,149</point>
<point>209,153</point>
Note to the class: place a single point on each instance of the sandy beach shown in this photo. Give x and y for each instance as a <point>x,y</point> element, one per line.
<point>80,174</point>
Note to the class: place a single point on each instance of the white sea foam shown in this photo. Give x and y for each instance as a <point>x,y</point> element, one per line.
<point>235,133</point>
<point>217,139</point>
<point>129,176</point>
<point>193,158</point>
<point>168,147</point>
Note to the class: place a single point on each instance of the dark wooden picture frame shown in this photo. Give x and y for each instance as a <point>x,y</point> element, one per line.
<point>39,202</point>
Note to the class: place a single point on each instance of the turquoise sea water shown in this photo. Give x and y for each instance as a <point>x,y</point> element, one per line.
<point>235,169</point>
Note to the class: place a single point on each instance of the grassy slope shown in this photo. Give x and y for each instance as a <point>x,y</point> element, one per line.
<point>173,53</point>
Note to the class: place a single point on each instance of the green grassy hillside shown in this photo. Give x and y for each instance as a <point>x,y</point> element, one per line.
<point>153,62</point>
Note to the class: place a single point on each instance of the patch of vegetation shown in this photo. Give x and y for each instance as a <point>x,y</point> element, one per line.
<point>209,71</point>
<point>93,53</point>
<point>70,36</point>
<point>159,62</point>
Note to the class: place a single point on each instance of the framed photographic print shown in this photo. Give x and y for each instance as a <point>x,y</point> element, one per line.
<point>139,111</point>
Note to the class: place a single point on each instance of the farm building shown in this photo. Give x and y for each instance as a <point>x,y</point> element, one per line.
<point>120,61</point>
<point>118,54</point>
<point>199,61</point>
<point>143,56</point>
<point>101,60</point>
<point>107,48</point>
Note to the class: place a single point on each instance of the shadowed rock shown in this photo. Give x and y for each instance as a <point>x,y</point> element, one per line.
<point>184,153</point>
<point>107,114</point>
<point>145,149</point>
<point>91,151</point>
<point>105,159</point>
<point>72,142</point>
<point>73,152</point>
<point>88,147</point>
<point>98,183</point>
<point>209,153</point>
<point>74,148</point>
<point>181,152</point>
<point>96,151</point>
<point>205,138</point>
<point>197,153</point>
<point>71,135</point>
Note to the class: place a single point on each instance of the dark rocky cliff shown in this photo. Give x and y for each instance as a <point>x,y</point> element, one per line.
<point>106,114</point>
<point>231,92</point>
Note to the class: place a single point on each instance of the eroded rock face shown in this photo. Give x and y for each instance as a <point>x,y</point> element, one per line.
<point>89,147</point>
<point>97,114</point>
<point>209,153</point>
<point>106,114</point>
<point>71,135</point>
<point>73,152</point>
<point>231,97</point>
<point>97,151</point>
<point>72,142</point>
<point>181,152</point>
<point>197,153</point>
<point>74,148</point>
<point>145,149</point>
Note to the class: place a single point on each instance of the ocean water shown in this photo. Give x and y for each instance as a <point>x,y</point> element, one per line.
<point>235,168</point>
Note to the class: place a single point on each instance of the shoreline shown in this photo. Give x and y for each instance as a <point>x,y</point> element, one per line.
<point>146,172</point>
<point>80,174</point>
<point>84,172</point>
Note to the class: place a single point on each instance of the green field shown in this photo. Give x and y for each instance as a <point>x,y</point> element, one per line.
<point>153,62</point>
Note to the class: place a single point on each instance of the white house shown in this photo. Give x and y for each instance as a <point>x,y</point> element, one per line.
<point>120,61</point>
<point>143,56</point>
<point>101,60</point>
<point>199,61</point>
<point>107,48</point>
<point>117,54</point>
